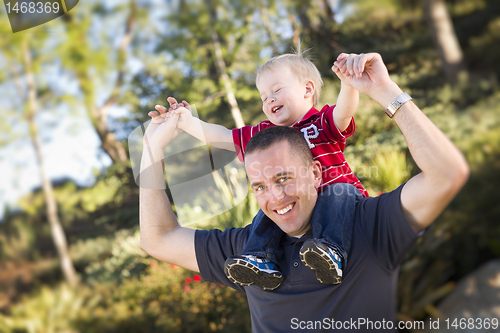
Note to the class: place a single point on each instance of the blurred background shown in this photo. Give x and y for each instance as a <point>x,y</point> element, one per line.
<point>72,90</point>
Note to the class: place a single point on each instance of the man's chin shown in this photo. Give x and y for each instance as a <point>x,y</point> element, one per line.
<point>295,232</point>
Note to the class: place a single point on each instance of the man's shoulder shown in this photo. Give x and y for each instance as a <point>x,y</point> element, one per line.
<point>214,246</point>
<point>233,237</point>
<point>381,227</point>
<point>383,199</point>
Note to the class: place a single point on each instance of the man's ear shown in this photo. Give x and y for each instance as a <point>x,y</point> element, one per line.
<point>316,170</point>
<point>310,88</point>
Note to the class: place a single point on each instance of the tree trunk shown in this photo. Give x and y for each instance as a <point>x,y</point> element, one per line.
<point>99,114</point>
<point>296,32</point>
<point>109,142</point>
<point>272,36</point>
<point>221,67</point>
<point>445,40</point>
<point>56,229</point>
<point>322,32</point>
<point>328,9</point>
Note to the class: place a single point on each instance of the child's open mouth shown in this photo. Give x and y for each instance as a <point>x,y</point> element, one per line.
<point>277,108</point>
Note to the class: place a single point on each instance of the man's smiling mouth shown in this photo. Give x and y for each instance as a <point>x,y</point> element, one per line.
<point>285,210</point>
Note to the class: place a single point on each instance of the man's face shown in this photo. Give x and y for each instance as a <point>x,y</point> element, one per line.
<point>286,99</point>
<point>285,187</point>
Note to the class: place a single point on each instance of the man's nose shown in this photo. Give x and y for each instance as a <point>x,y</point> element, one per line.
<point>271,100</point>
<point>277,193</point>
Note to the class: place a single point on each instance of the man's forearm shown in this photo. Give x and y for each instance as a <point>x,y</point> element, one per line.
<point>444,169</point>
<point>432,151</point>
<point>213,134</point>
<point>155,214</point>
<point>161,235</point>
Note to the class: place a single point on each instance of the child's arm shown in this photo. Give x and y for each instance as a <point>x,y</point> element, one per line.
<point>212,134</point>
<point>348,100</point>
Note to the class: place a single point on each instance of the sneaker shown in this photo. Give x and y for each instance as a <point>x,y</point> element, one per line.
<point>323,259</point>
<point>247,270</point>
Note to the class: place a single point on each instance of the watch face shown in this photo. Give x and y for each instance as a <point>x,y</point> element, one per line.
<point>396,104</point>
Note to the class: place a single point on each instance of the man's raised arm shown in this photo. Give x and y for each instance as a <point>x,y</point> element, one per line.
<point>161,235</point>
<point>444,168</point>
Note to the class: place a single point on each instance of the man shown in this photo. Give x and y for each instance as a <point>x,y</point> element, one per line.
<point>384,227</point>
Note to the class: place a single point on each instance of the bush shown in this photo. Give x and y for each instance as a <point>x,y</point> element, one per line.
<point>164,299</point>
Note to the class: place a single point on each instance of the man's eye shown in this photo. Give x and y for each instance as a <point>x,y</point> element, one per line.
<point>265,99</point>
<point>277,90</point>
<point>260,188</point>
<point>283,179</point>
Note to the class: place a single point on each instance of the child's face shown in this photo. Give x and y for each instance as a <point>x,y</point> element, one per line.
<point>286,99</point>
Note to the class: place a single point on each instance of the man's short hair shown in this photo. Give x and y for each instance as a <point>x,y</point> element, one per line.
<point>301,67</point>
<point>266,138</point>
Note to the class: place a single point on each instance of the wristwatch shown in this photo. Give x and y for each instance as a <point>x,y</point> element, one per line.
<point>396,104</point>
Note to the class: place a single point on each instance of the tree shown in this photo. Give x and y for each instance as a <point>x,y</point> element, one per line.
<point>221,67</point>
<point>445,40</point>
<point>18,52</point>
<point>207,53</point>
<point>79,56</point>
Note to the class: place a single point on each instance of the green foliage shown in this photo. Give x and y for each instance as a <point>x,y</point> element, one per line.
<point>48,310</point>
<point>391,170</point>
<point>125,260</point>
<point>233,202</point>
<point>17,240</point>
<point>165,299</point>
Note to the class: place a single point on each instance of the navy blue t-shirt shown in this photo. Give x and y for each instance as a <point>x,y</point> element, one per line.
<point>364,301</point>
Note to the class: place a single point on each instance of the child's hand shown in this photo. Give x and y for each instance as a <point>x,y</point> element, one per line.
<point>183,110</point>
<point>350,65</point>
<point>365,72</point>
<point>342,77</point>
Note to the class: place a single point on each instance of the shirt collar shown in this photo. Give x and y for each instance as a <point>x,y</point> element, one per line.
<point>292,240</point>
<point>312,111</point>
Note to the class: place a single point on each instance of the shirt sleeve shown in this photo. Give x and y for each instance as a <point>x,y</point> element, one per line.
<point>386,231</point>
<point>241,136</point>
<point>213,247</point>
<point>329,126</point>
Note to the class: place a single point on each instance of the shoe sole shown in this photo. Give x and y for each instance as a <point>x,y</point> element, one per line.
<point>320,263</point>
<point>243,273</point>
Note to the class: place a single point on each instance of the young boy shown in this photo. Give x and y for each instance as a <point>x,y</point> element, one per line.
<point>290,86</point>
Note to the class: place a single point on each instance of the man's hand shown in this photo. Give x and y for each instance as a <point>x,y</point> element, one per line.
<point>182,109</point>
<point>365,72</point>
<point>161,130</point>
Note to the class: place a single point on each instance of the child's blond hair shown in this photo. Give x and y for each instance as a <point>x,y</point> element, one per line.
<point>301,66</point>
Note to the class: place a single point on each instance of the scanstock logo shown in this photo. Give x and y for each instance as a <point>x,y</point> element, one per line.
<point>202,181</point>
<point>26,14</point>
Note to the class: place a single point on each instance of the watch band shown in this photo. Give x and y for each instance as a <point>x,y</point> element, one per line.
<point>396,104</point>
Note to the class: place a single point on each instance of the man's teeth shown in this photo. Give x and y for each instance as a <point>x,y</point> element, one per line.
<point>285,210</point>
<point>276,108</point>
